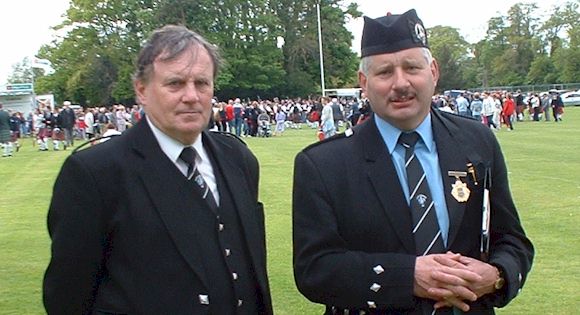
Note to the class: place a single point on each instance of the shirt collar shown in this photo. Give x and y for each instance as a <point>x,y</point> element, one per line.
<point>390,133</point>
<point>171,147</point>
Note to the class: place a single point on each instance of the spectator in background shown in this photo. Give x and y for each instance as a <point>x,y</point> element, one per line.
<point>40,129</point>
<point>110,131</point>
<point>68,121</point>
<point>476,106</point>
<point>508,111</point>
<point>122,116</point>
<point>238,116</point>
<point>545,99</point>
<point>135,115</point>
<point>16,122</point>
<point>462,105</point>
<point>337,113</point>
<point>230,118</point>
<point>327,121</point>
<point>520,105</point>
<point>90,123</point>
<point>488,110</point>
<point>557,107</point>
<point>535,106</point>
<point>280,122</point>
<point>5,139</point>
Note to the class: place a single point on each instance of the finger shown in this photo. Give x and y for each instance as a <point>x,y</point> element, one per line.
<point>467,260</point>
<point>459,304</point>
<point>447,292</point>
<point>452,302</point>
<point>450,261</point>
<point>456,276</point>
<point>441,304</point>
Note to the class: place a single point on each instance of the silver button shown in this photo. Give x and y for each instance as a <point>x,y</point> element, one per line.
<point>220,227</point>
<point>375,287</point>
<point>203,299</point>
<point>240,302</point>
<point>378,269</point>
<point>519,276</point>
<point>234,276</point>
<point>371,304</point>
<point>228,252</point>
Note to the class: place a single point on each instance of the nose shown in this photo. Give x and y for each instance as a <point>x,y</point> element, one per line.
<point>190,93</point>
<point>400,80</point>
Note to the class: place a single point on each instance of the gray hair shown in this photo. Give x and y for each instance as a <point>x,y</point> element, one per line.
<point>365,62</point>
<point>170,42</point>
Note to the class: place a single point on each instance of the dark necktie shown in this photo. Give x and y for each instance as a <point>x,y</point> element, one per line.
<point>426,230</point>
<point>188,155</point>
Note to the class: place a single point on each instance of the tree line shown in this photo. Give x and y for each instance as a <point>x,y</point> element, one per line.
<point>270,47</point>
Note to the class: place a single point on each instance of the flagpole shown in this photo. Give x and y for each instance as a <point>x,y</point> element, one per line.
<point>320,49</point>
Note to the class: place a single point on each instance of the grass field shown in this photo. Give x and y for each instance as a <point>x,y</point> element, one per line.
<point>544,163</point>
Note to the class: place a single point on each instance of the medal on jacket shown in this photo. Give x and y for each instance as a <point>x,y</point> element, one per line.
<point>459,190</point>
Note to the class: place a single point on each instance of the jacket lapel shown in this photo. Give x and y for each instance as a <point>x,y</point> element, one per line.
<point>245,206</point>
<point>381,173</point>
<point>170,198</point>
<point>453,156</point>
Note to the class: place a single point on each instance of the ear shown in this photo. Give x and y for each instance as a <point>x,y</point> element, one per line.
<point>435,71</point>
<point>139,88</point>
<point>362,81</point>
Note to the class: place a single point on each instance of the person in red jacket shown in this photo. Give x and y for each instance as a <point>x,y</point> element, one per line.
<point>508,111</point>
<point>230,116</point>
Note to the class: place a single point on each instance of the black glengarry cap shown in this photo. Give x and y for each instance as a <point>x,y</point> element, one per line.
<point>392,33</point>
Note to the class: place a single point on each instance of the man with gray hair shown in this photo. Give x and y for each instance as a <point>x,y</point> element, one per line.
<point>387,217</point>
<point>164,219</point>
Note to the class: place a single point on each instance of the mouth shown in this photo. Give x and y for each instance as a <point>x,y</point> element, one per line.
<point>402,98</point>
<point>189,112</point>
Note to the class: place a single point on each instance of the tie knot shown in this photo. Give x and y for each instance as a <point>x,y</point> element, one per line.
<point>408,139</point>
<point>188,155</point>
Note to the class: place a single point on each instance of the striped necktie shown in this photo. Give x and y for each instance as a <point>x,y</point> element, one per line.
<point>426,230</point>
<point>188,155</point>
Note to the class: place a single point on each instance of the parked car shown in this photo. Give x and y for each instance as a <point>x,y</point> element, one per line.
<point>571,98</point>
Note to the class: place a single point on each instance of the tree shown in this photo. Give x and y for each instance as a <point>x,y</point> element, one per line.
<point>21,72</point>
<point>451,52</point>
<point>299,28</point>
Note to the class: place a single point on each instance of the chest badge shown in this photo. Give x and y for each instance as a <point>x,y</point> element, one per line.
<point>459,190</point>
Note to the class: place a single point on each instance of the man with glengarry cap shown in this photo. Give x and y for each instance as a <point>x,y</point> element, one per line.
<point>403,233</point>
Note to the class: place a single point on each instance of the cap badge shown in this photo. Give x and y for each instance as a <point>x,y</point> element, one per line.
<point>420,33</point>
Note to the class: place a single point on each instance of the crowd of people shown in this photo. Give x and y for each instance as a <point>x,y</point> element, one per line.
<point>60,126</point>
<point>498,108</point>
<point>246,119</point>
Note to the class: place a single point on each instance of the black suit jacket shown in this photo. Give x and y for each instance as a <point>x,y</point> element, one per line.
<point>350,215</point>
<point>124,238</point>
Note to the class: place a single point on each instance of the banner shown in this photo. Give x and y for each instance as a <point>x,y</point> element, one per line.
<point>40,63</point>
<point>43,64</point>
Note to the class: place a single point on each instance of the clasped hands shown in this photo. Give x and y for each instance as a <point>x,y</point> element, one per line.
<point>452,279</point>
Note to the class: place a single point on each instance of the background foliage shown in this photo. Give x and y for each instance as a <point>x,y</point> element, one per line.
<point>101,38</point>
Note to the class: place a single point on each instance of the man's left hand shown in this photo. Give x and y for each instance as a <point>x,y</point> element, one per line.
<point>489,274</point>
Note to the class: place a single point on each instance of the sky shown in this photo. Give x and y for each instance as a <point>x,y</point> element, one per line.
<point>26,24</point>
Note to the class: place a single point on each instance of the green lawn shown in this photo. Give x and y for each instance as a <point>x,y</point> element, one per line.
<point>544,163</point>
